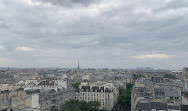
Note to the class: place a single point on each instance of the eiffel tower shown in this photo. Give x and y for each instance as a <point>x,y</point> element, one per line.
<point>78,65</point>
<point>78,68</point>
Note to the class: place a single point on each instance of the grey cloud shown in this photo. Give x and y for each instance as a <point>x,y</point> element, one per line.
<point>173,5</point>
<point>106,39</point>
<point>4,26</point>
<point>69,3</point>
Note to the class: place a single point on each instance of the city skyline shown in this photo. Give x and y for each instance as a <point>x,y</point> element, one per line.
<point>101,34</point>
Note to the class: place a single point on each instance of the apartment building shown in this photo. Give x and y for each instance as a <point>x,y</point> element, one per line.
<point>184,74</point>
<point>106,94</point>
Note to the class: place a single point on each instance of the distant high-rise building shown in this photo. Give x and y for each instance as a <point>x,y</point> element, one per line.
<point>105,93</point>
<point>184,74</point>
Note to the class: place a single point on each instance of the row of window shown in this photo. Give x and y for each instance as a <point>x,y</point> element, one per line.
<point>88,94</point>
<point>174,98</point>
<point>92,90</point>
<point>48,86</point>
<point>95,99</point>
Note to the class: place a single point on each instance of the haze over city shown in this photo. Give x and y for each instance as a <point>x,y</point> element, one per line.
<point>99,33</point>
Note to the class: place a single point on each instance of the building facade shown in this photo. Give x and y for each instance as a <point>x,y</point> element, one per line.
<point>184,74</point>
<point>105,94</point>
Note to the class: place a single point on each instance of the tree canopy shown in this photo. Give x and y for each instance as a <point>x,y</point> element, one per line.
<point>125,95</point>
<point>169,76</point>
<point>75,85</point>
<point>76,105</point>
<point>53,108</point>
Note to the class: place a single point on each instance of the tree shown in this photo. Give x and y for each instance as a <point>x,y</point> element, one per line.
<point>53,108</point>
<point>76,105</point>
<point>75,85</point>
<point>125,95</point>
<point>129,86</point>
<point>169,76</point>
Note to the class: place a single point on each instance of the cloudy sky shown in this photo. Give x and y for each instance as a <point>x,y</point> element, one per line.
<point>100,33</point>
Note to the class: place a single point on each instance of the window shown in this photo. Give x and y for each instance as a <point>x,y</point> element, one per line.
<point>176,98</point>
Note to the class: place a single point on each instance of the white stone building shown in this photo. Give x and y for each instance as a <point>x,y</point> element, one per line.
<point>105,93</point>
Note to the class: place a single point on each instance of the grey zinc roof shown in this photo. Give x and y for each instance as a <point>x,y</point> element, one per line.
<point>184,93</point>
<point>171,92</point>
<point>120,75</point>
<point>148,84</point>
<point>32,91</point>
<point>146,105</point>
<point>174,107</point>
<point>186,68</point>
<point>158,106</point>
<point>143,105</point>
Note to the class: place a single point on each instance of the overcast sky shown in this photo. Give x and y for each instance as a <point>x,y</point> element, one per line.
<point>100,33</point>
